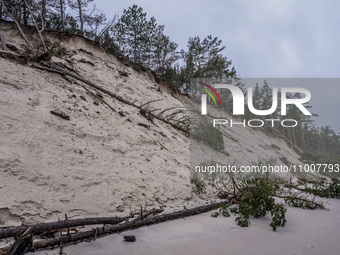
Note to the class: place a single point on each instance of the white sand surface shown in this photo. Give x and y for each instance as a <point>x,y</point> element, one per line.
<point>99,163</point>
<point>306,233</point>
<point>102,163</point>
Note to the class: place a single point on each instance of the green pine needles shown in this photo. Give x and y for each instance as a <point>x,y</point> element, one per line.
<point>256,200</point>
<point>205,132</point>
<point>254,197</point>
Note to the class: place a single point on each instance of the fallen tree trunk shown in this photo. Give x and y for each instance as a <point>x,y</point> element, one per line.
<point>21,244</point>
<point>51,226</point>
<point>24,241</point>
<point>51,67</point>
<point>139,222</point>
<point>57,69</point>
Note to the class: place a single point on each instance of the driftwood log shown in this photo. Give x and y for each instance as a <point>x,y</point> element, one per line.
<point>24,234</point>
<point>60,114</point>
<point>51,226</point>
<point>22,244</point>
<point>139,222</point>
<point>142,220</point>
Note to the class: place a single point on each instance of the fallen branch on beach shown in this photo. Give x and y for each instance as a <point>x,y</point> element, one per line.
<point>51,226</point>
<point>22,244</point>
<point>142,220</point>
<point>139,222</point>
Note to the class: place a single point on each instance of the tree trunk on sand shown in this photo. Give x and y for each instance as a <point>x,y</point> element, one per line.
<point>51,226</point>
<point>125,226</point>
<point>142,220</point>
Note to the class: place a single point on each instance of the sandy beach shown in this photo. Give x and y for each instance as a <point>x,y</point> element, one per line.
<point>110,158</point>
<point>306,233</point>
<point>101,162</point>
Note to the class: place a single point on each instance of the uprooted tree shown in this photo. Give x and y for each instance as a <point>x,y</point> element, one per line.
<point>254,196</point>
<point>53,231</point>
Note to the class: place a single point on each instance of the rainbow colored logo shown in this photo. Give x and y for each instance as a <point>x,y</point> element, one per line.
<point>209,93</point>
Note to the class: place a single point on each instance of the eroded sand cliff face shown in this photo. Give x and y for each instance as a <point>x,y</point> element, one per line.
<point>100,162</point>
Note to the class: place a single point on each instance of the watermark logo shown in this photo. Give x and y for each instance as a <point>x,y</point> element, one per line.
<point>239,99</point>
<point>204,97</point>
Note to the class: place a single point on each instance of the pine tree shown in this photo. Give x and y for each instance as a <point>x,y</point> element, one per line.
<point>80,7</point>
<point>163,52</point>
<point>62,17</point>
<point>109,44</point>
<point>43,11</point>
<point>133,33</point>
<point>56,15</point>
<point>203,60</point>
<point>204,54</point>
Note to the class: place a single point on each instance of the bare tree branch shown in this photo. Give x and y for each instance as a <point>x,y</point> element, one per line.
<point>108,25</point>
<point>18,25</point>
<point>36,25</point>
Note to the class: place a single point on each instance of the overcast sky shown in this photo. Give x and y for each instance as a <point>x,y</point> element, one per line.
<point>264,38</point>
